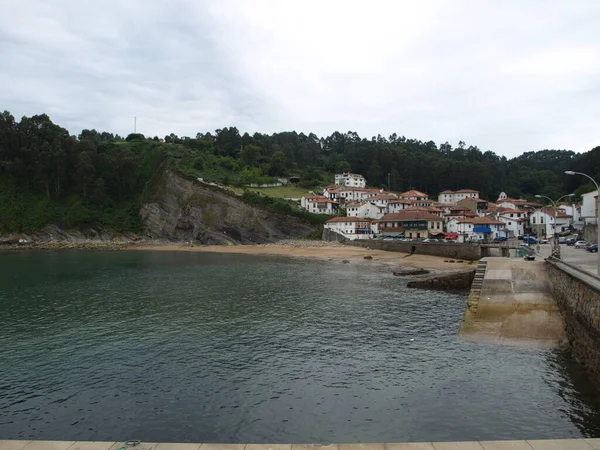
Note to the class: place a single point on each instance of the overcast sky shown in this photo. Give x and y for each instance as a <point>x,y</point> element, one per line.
<point>508,76</point>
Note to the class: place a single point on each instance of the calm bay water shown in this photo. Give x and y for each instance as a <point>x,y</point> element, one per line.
<point>228,348</point>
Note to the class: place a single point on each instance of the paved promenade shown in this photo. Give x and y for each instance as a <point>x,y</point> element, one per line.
<point>553,444</point>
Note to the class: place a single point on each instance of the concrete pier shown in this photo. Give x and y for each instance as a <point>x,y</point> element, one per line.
<point>511,302</point>
<point>551,444</point>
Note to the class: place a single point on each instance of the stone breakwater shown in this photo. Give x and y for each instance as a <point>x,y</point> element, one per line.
<point>578,297</point>
<point>460,281</point>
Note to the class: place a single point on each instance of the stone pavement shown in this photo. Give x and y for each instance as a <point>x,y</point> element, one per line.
<point>552,444</point>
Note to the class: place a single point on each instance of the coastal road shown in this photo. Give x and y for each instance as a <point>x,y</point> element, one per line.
<point>577,256</point>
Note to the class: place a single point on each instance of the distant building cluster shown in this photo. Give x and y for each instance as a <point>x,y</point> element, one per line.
<point>459,215</point>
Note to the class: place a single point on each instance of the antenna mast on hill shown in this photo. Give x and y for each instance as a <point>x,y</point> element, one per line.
<point>135,125</point>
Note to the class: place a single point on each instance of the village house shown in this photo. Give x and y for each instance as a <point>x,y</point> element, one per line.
<point>350,180</point>
<point>512,203</point>
<point>413,195</point>
<point>350,227</point>
<point>458,213</point>
<point>382,199</point>
<point>352,194</point>
<point>422,202</point>
<point>574,211</point>
<point>366,209</point>
<point>413,224</point>
<point>480,229</point>
<point>476,205</point>
<point>430,209</point>
<point>453,197</point>
<point>332,192</point>
<point>398,205</point>
<point>589,207</point>
<point>318,204</point>
<point>542,221</point>
<point>515,220</point>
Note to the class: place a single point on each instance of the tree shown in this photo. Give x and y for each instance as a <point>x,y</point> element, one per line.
<point>135,137</point>
<point>374,174</point>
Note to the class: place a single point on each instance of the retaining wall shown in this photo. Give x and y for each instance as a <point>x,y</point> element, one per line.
<point>332,236</point>
<point>469,252</point>
<point>577,294</point>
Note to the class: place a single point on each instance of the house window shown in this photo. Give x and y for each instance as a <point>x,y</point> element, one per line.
<point>510,223</point>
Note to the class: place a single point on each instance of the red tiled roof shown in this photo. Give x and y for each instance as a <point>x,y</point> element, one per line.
<point>482,221</point>
<point>413,193</point>
<point>423,208</point>
<point>447,192</point>
<point>319,199</point>
<point>349,188</point>
<point>410,215</point>
<point>384,197</point>
<point>464,191</point>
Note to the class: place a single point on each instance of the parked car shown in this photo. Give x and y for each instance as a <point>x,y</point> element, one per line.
<point>580,244</point>
<point>500,239</point>
<point>562,240</point>
<point>570,242</point>
<point>529,240</point>
<point>592,248</point>
<point>544,241</point>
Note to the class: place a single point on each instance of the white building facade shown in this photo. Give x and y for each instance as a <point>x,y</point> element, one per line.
<point>542,222</point>
<point>589,207</point>
<point>350,180</point>
<point>451,197</point>
<point>350,227</point>
<point>318,204</point>
<point>366,210</point>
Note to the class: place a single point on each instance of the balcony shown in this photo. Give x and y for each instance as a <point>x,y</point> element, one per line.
<point>482,230</point>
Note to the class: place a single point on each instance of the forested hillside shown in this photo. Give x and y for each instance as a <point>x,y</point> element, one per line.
<point>50,176</point>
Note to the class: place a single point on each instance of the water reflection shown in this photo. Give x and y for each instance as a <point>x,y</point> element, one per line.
<point>582,402</point>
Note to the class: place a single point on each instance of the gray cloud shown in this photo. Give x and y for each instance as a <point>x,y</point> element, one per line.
<point>509,77</point>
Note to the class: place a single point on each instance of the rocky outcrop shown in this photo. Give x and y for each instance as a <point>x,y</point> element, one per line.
<point>185,209</point>
<point>408,272</point>
<point>453,281</point>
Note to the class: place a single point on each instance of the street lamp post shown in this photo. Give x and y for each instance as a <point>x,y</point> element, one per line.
<point>555,243</point>
<point>570,172</point>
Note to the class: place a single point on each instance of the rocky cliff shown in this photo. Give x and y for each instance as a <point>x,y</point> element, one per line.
<point>185,209</point>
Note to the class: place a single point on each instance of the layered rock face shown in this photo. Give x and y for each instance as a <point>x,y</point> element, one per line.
<point>184,209</point>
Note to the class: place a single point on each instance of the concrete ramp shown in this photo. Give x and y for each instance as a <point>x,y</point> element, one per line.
<point>511,302</point>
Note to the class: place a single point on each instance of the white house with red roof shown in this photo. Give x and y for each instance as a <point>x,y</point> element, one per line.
<point>398,205</point>
<point>414,224</point>
<point>319,204</point>
<point>413,194</point>
<point>352,194</point>
<point>515,220</point>
<point>476,228</point>
<point>452,197</point>
<point>350,180</point>
<point>366,209</point>
<point>542,221</point>
<point>350,227</point>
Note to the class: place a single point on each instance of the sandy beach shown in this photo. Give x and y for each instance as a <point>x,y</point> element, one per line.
<point>321,250</point>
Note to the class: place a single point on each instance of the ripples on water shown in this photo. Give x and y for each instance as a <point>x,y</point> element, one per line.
<point>228,348</point>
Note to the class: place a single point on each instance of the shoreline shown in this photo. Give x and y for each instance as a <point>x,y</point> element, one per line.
<point>319,250</point>
<point>324,251</point>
